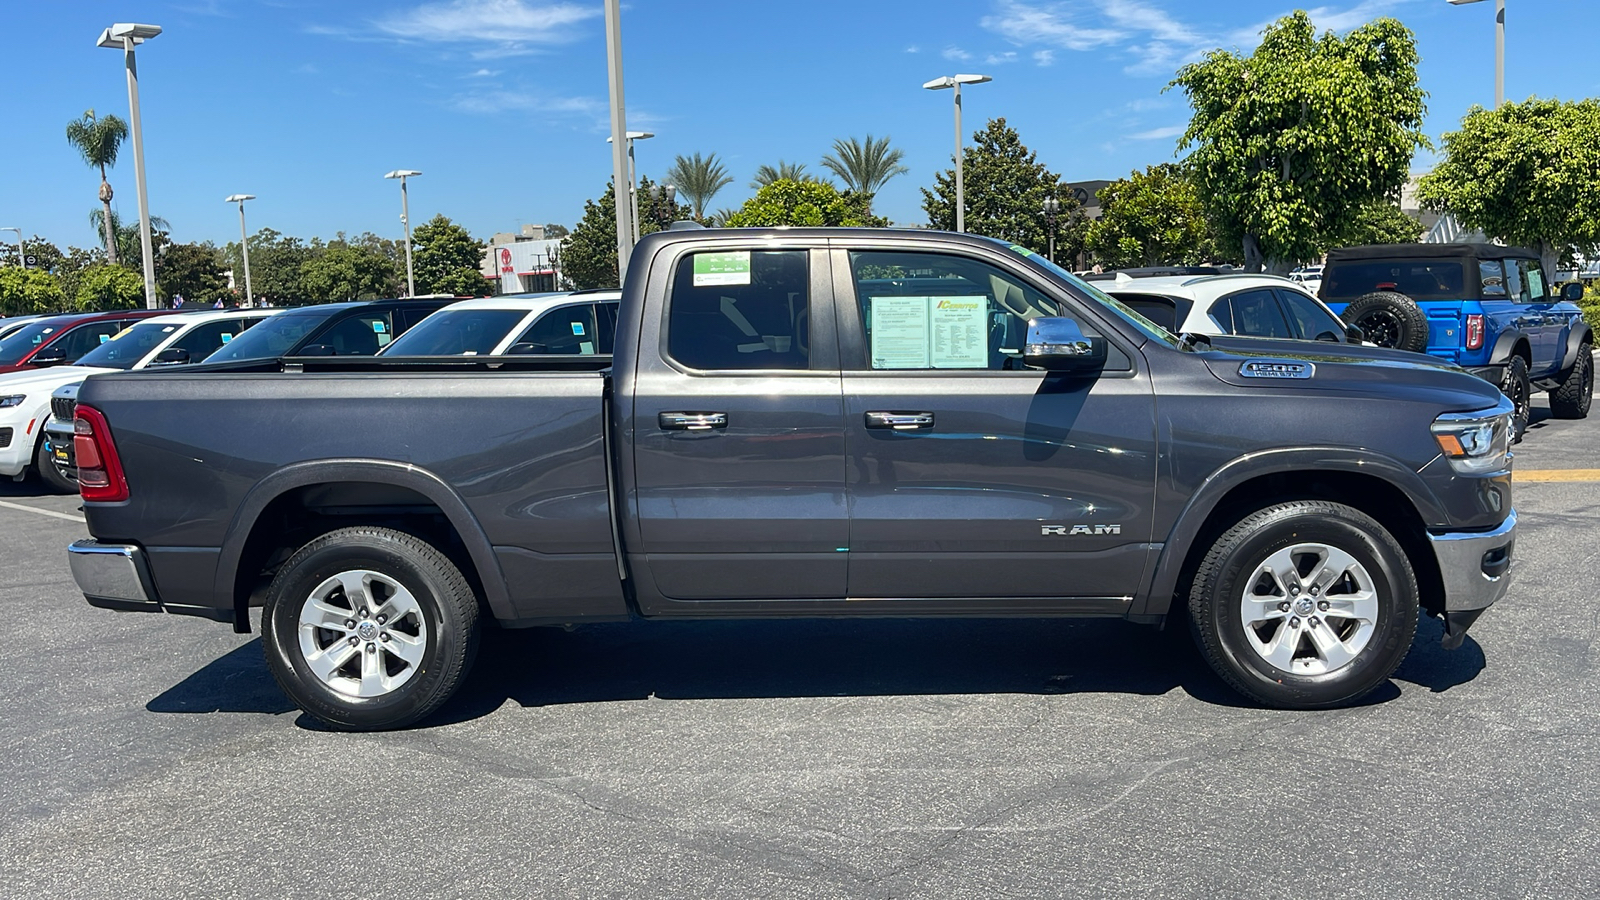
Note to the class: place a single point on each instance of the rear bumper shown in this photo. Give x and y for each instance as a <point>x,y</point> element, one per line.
<point>1476,569</point>
<point>117,576</point>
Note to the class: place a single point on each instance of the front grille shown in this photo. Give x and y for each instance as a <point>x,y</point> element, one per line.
<point>5,437</point>
<point>63,408</point>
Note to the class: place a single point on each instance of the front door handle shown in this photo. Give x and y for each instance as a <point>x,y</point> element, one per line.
<point>899,421</point>
<point>692,421</point>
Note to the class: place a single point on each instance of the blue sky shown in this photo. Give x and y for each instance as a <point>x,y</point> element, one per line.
<point>502,103</point>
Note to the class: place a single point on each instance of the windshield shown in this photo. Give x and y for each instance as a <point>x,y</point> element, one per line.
<point>1116,307</point>
<point>26,339</point>
<point>272,338</point>
<point>128,346</point>
<point>457,332</point>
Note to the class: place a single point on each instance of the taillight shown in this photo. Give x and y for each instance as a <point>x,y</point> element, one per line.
<point>100,475</point>
<point>1474,332</point>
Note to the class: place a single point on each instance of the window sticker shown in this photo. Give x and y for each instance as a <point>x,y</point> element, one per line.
<point>929,332</point>
<point>226,337</point>
<point>577,328</point>
<point>960,335</point>
<point>899,332</point>
<point>1022,250</point>
<point>104,338</point>
<point>379,327</point>
<point>722,268</point>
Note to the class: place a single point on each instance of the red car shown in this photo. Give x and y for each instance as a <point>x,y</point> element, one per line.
<point>58,340</point>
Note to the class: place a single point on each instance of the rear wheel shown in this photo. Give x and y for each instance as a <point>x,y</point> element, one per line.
<point>1305,605</point>
<point>369,628</point>
<point>1389,319</point>
<point>1572,398</point>
<point>51,477</point>
<point>1518,389</point>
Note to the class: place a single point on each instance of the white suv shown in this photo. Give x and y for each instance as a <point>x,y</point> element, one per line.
<point>1250,305</point>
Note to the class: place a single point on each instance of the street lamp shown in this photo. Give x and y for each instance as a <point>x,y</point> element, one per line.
<point>633,177</point>
<point>125,36</point>
<point>666,196</point>
<point>405,219</point>
<point>1499,48</point>
<point>619,131</point>
<point>1052,206</point>
<point>22,254</point>
<point>244,245</point>
<point>956,81</point>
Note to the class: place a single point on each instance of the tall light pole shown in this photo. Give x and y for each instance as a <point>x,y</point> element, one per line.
<point>633,177</point>
<point>619,131</point>
<point>956,81</point>
<point>244,245</point>
<point>1499,48</point>
<point>22,254</point>
<point>405,219</point>
<point>125,36</point>
<point>1052,208</point>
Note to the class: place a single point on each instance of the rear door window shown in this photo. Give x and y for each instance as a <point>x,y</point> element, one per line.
<point>1516,288</point>
<point>1256,314</point>
<point>740,309</point>
<point>1309,320</point>
<point>1493,278</point>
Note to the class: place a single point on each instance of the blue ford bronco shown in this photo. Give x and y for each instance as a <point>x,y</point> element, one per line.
<point>1486,308</point>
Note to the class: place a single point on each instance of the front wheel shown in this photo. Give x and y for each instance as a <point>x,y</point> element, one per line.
<point>369,628</point>
<point>1305,605</point>
<point>49,475</point>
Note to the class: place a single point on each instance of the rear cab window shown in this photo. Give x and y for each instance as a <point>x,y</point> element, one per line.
<point>1419,279</point>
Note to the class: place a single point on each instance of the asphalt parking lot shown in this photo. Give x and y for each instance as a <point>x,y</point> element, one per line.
<point>152,756</point>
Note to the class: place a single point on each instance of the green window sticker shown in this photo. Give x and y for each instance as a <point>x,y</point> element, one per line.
<point>722,268</point>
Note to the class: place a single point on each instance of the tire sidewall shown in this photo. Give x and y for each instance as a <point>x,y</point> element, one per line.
<point>1390,641</point>
<point>281,629</point>
<point>1515,379</point>
<point>1410,321</point>
<point>49,475</point>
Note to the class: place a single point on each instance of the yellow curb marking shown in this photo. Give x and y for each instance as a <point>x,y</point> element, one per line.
<point>1556,475</point>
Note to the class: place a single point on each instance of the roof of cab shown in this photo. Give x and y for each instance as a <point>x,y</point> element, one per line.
<point>528,302</point>
<point>1428,251</point>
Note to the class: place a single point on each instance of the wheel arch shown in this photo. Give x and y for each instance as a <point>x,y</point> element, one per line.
<point>1579,336</point>
<point>1509,344</point>
<point>248,543</point>
<point>1392,494</point>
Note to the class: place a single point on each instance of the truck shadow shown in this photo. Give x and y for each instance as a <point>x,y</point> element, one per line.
<point>809,658</point>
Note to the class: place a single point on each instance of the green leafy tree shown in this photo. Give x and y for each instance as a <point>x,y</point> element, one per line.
<point>1004,185</point>
<point>26,292</point>
<point>698,180</point>
<point>108,287</point>
<point>589,254</point>
<point>342,272</point>
<point>1382,223</point>
<point>553,230</point>
<point>446,259</point>
<point>275,266</point>
<point>194,271</point>
<point>97,140</point>
<point>783,171</point>
<point>69,270</point>
<point>1293,141</point>
<point>1150,218</point>
<point>1526,173</point>
<point>46,256</point>
<point>864,167</point>
<point>788,202</point>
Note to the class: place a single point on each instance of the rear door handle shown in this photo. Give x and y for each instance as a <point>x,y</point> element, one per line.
<point>691,421</point>
<point>899,421</point>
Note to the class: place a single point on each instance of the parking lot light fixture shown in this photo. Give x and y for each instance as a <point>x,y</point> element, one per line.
<point>1499,48</point>
<point>244,245</point>
<point>405,219</point>
<point>633,177</point>
<point>1052,208</point>
<point>125,36</point>
<point>955,82</point>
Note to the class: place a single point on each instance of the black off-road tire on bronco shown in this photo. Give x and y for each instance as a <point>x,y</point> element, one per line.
<point>1571,399</point>
<point>1389,319</point>
<point>1517,387</point>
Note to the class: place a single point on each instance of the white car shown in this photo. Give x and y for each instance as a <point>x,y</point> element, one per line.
<point>1249,305</point>
<point>562,323</point>
<point>25,397</point>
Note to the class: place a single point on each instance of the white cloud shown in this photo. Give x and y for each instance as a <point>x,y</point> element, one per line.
<point>1044,57</point>
<point>1000,59</point>
<point>491,102</point>
<point>491,21</point>
<point>1158,134</point>
<point>956,53</point>
<point>1031,23</point>
<point>1328,18</point>
<point>913,49</point>
<point>482,73</point>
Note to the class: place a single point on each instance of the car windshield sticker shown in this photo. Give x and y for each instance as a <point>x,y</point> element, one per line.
<point>577,328</point>
<point>929,332</point>
<point>722,268</point>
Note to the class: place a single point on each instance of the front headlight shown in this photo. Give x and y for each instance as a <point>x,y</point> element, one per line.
<point>13,400</point>
<point>1475,442</point>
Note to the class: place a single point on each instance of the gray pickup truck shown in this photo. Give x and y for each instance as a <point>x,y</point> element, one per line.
<point>826,422</point>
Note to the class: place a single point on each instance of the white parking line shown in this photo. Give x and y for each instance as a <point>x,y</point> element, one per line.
<point>43,512</point>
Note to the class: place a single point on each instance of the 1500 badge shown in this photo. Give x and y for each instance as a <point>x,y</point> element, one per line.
<point>1080,529</point>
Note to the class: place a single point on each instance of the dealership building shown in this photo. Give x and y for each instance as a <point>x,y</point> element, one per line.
<point>522,263</point>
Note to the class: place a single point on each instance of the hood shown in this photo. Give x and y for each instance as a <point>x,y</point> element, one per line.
<point>1319,366</point>
<point>43,381</point>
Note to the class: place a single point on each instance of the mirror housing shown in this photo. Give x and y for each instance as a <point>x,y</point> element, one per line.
<point>53,355</point>
<point>172,356</point>
<point>1355,334</point>
<point>1058,345</point>
<point>317,350</point>
<point>1572,291</point>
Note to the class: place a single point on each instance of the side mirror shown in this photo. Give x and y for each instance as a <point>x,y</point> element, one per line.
<point>1572,291</point>
<point>1059,345</point>
<point>53,355</point>
<point>172,356</point>
<point>317,350</point>
<point>1355,334</point>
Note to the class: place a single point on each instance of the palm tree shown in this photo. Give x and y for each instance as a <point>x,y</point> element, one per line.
<point>127,238</point>
<point>98,140</point>
<point>784,172</point>
<point>721,216</point>
<point>864,168</point>
<point>699,180</point>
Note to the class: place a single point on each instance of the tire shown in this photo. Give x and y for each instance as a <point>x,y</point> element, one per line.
<point>1572,398</point>
<point>1389,319</point>
<point>49,476</point>
<point>1515,385</point>
<point>1339,638</point>
<point>410,651</point>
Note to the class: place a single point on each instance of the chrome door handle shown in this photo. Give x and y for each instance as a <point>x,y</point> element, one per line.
<point>899,421</point>
<point>687,421</point>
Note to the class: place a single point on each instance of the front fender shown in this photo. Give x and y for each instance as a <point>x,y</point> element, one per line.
<point>1181,538</point>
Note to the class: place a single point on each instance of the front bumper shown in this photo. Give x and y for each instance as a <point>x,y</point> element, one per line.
<point>17,453</point>
<point>1476,569</point>
<point>61,433</point>
<point>117,576</point>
